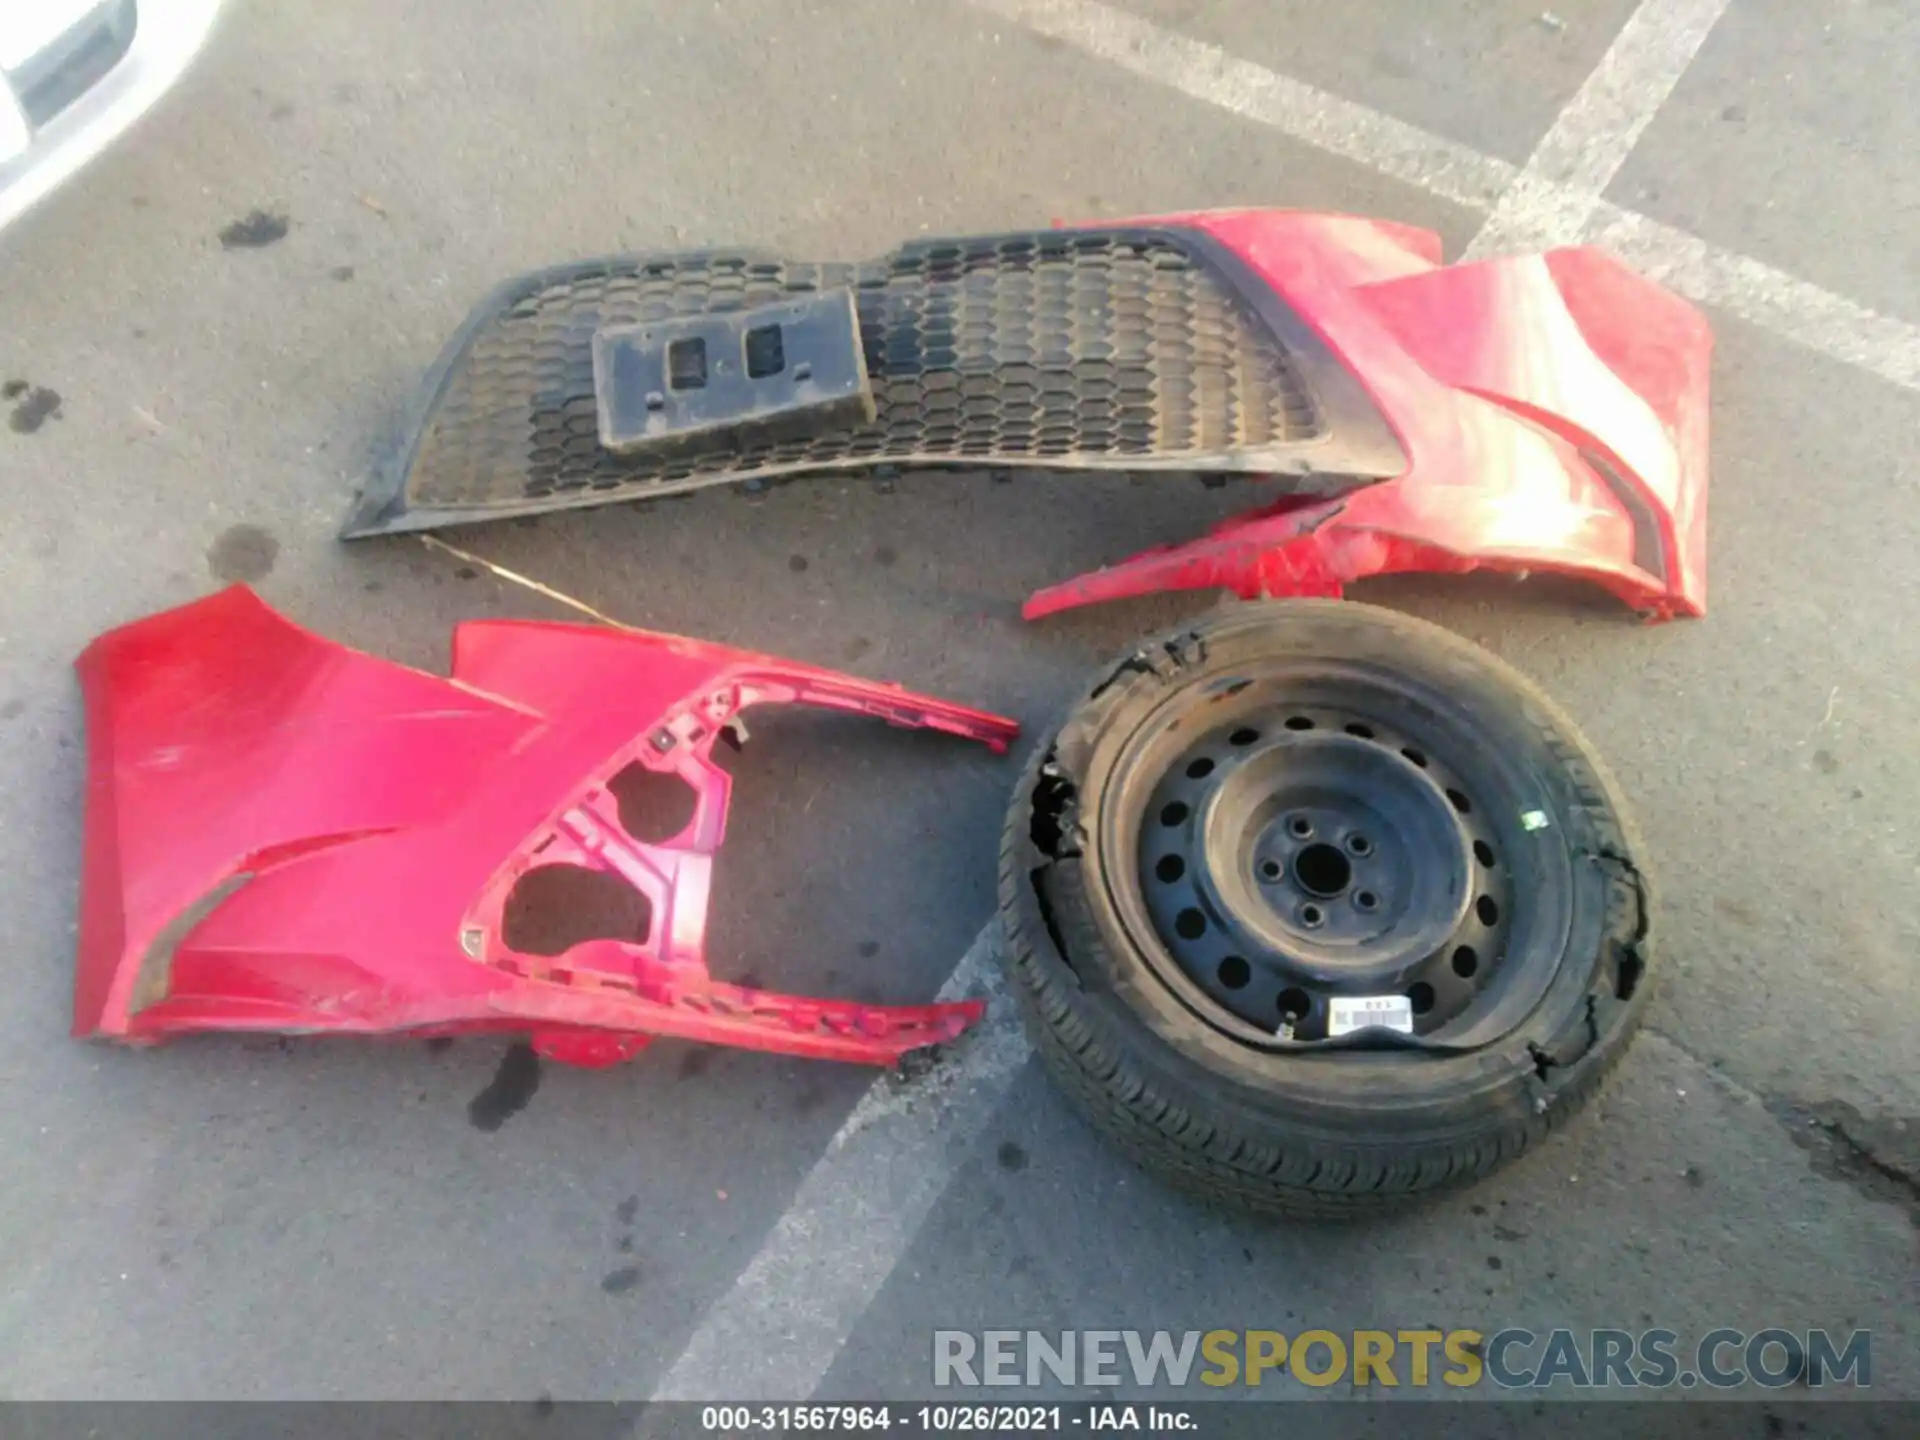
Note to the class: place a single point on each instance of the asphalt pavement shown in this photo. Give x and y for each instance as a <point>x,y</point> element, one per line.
<point>218,326</point>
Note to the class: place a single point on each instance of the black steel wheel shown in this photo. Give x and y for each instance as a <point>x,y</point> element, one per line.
<point>1315,908</point>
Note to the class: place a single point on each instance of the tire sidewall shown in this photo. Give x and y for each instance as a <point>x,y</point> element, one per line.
<point>1346,1094</point>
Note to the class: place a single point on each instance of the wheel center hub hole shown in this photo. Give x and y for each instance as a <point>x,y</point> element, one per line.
<point>1322,870</point>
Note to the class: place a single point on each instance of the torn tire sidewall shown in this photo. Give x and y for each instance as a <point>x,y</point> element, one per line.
<point>1053,895</point>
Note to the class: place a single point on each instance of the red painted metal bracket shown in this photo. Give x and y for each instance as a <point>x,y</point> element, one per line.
<point>283,834</point>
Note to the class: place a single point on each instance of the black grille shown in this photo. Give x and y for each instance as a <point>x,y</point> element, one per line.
<point>1101,349</point>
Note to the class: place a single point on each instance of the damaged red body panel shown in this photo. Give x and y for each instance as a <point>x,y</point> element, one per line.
<point>1553,409</point>
<point>286,835</point>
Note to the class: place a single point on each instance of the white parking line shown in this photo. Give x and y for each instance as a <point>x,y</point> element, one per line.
<point>1762,295</point>
<point>774,1335</point>
<point>1757,293</point>
<point>1293,107</point>
<point>1585,147</point>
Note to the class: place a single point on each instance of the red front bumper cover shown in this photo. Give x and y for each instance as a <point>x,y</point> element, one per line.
<point>1553,410</point>
<point>286,835</point>
<point>1540,412</point>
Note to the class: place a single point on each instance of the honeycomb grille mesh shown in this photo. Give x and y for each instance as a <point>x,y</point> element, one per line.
<point>1057,348</point>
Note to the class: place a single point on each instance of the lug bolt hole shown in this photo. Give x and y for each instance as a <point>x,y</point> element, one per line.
<point>1300,827</point>
<point>1360,845</point>
<point>1366,900</point>
<point>1270,870</point>
<point>1312,916</point>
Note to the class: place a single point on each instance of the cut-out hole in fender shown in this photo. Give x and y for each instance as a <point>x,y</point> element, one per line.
<point>655,805</point>
<point>553,908</point>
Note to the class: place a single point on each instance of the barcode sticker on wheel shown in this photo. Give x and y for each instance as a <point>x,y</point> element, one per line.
<point>1348,1013</point>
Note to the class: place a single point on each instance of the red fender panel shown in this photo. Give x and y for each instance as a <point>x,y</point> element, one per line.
<point>283,834</point>
<point>1553,409</point>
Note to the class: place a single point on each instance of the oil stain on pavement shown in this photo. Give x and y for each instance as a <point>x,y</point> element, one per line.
<point>34,405</point>
<point>619,1282</point>
<point>507,1094</point>
<point>242,553</point>
<point>253,230</point>
<point>626,1277</point>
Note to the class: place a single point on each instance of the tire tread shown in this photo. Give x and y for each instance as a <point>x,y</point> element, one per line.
<point>1298,1176</point>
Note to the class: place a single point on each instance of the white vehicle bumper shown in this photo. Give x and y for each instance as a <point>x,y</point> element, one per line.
<point>75,73</point>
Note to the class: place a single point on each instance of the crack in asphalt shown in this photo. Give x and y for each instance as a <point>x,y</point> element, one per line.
<point>1877,1155</point>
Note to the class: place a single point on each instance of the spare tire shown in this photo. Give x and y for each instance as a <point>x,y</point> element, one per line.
<point>1314,908</point>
